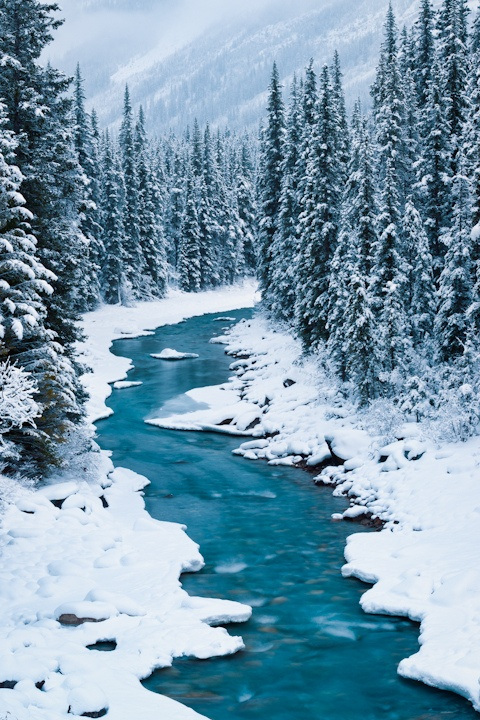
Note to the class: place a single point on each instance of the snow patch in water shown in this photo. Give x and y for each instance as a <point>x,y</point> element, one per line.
<point>170,354</point>
<point>125,385</point>
<point>230,568</point>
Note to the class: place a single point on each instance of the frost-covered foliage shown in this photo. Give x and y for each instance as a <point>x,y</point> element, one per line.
<point>18,407</point>
<point>380,255</point>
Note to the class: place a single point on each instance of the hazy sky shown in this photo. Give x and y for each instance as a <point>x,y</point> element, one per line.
<point>139,23</point>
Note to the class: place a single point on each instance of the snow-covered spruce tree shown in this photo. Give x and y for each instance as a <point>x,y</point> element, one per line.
<point>434,170</point>
<point>456,281</point>
<point>270,186</point>
<point>353,339</point>
<point>424,52</point>
<point>423,301</point>
<point>90,210</point>
<point>343,135</point>
<point>150,228</point>
<point>410,129</point>
<point>286,241</point>
<point>205,169</point>
<point>115,287</point>
<point>39,113</point>
<point>133,256</point>
<point>189,264</point>
<point>319,219</point>
<point>390,271</point>
<point>247,208</point>
<point>472,150</point>
<point>25,287</point>
<point>176,208</point>
<point>230,257</point>
<point>453,68</point>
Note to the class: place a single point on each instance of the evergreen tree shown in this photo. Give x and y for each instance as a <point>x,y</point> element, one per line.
<point>114,285</point>
<point>150,227</point>
<point>270,185</point>
<point>390,273</point>
<point>134,259</point>
<point>434,171</point>
<point>247,210</point>
<point>422,301</point>
<point>453,66</point>
<point>189,266</point>
<point>319,220</point>
<point>286,241</point>
<point>425,52</point>
<point>39,114</point>
<point>89,209</point>
<point>455,288</point>
<point>353,335</point>
<point>25,286</point>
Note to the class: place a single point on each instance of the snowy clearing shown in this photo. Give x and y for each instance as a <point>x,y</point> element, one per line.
<point>83,562</point>
<point>424,564</point>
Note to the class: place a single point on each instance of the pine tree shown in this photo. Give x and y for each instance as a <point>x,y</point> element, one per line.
<point>353,340</point>
<point>319,220</point>
<point>89,209</point>
<point>114,283</point>
<point>453,66</point>
<point>39,114</point>
<point>286,241</point>
<point>425,52</point>
<point>270,185</point>
<point>422,301</point>
<point>150,228</point>
<point>455,288</point>
<point>390,273</point>
<point>343,132</point>
<point>434,171</point>
<point>247,210</point>
<point>25,287</point>
<point>189,266</point>
<point>133,255</point>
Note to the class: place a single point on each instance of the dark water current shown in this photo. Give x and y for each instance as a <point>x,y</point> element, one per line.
<point>268,540</point>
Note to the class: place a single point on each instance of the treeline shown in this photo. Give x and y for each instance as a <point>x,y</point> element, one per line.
<point>85,218</point>
<point>171,210</point>
<point>370,235</point>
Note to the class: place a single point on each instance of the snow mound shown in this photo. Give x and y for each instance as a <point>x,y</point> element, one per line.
<point>124,385</point>
<point>169,354</point>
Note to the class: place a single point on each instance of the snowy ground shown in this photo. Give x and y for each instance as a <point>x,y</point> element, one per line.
<point>83,562</point>
<point>425,563</point>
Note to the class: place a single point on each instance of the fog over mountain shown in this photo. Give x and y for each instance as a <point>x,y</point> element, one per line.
<point>212,59</point>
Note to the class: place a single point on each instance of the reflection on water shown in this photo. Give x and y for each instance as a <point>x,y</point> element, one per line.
<point>268,540</point>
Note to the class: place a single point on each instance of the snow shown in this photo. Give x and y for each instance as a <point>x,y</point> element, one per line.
<point>169,354</point>
<point>125,385</point>
<point>424,564</point>
<point>83,562</point>
<point>113,322</point>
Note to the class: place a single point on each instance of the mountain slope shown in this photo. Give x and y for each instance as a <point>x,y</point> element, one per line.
<point>215,66</point>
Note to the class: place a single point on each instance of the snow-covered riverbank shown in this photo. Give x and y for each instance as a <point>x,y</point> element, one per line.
<point>83,562</point>
<point>425,563</point>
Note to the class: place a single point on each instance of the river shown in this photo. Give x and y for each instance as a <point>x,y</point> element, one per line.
<point>268,540</point>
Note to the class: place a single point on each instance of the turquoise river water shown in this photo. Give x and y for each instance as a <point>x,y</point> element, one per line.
<point>268,540</point>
